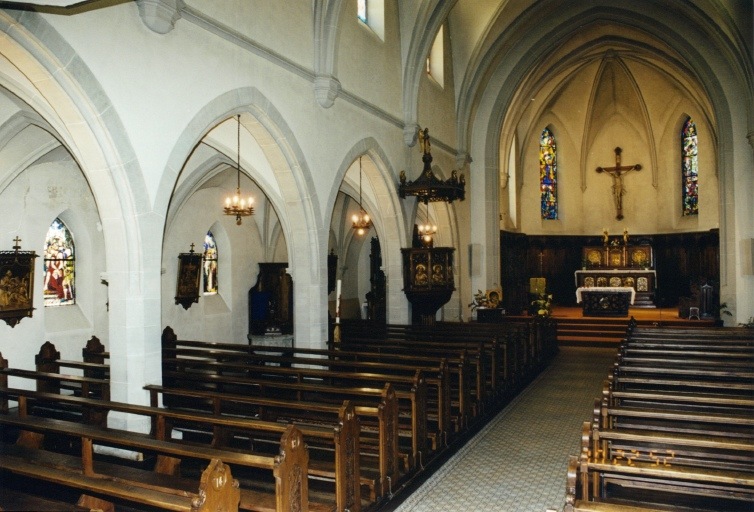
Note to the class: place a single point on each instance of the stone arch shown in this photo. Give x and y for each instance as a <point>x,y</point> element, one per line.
<point>72,97</point>
<point>388,216</point>
<point>485,97</point>
<point>289,189</point>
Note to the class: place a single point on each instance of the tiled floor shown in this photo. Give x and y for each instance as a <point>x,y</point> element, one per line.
<point>518,462</point>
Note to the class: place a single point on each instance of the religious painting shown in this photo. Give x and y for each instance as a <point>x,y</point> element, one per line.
<point>594,257</point>
<point>419,269</point>
<point>616,257</point>
<point>494,297</point>
<point>16,284</point>
<point>59,266</point>
<point>640,256</point>
<point>189,275</point>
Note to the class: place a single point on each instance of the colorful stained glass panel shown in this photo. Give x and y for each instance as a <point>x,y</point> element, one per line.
<point>210,264</point>
<point>689,169</point>
<point>548,175</point>
<point>59,266</point>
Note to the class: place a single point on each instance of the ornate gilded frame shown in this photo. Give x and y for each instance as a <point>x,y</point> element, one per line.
<point>189,277</point>
<point>16,284</point>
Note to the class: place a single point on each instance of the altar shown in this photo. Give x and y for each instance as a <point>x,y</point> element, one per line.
<point>620,265</point>
<point>605,301</point>
<point>642,282</point>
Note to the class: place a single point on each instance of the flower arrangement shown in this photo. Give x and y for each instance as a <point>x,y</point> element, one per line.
<point>479,300</point>
<point>542,306</point>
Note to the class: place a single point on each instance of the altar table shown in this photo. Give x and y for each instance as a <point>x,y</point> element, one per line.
<point>643,281</point>
<point>605,301</point>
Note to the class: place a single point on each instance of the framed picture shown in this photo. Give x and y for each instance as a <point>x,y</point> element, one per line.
<point>16,284</point>
<point>189,275</point>
<point>494,297</point>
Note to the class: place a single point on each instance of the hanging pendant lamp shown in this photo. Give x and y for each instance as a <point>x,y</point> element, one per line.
<point>361,220</point>
<point>237,205</point>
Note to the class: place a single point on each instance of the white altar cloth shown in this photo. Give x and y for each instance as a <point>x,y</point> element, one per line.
<point>605,289</point>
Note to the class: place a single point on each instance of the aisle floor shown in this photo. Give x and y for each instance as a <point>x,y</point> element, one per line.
<point>518,461</point>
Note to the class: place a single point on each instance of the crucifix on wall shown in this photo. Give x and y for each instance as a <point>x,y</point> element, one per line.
<point>617,173</point>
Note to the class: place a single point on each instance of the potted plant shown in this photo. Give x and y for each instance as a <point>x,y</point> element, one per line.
<point>542,306</point>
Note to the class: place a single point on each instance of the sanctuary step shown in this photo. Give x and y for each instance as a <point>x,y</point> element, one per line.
<point>575,330</point>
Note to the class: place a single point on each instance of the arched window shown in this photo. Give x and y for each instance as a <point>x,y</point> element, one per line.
<point>689,169</point>
<point>361,10</point>
<point>372,14</point>
<point>210,264</point>
<point>548,175</point>
<point>436,59</point>
<point>59,266</point>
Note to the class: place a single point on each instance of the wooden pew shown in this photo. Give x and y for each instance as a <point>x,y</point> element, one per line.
<point>611,486</point>
<point>472,390</point>
<point>409,387</point>
<point>677,432</point>
<point>53,383</point>
<point>412,400</point>
<point>216,489</point>
<point>94,353</point>
<point>14,500</point>
<point>438,372</point>
<point>346,373</point>
<point>526,344</point>
<point>646,468</point>
<point>286,466</point>
<point>301,413</point>
<point>48,361</point>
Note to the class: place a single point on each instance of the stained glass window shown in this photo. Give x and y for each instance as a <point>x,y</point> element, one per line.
<point>59,266</point>
<point>689,169</point>
<point>210,264</point>
<point>548,175</point>
<point>361,10</point>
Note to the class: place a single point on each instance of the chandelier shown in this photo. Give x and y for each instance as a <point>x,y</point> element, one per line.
<point>237,205</point>
<point>361,220</point>
<point>428,187</point>
<point>427,231</point>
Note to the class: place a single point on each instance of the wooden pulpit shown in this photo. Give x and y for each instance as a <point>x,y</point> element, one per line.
<point>427,280</point>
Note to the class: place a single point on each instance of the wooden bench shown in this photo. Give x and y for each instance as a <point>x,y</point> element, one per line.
<point>412,422</point>
<point>471,390</point>
<point>497,356</point>
<point>216,489</point>
<point>54,383</point>
<point>414,406</point>
<point>84,471</point>
<point>676,433</point>
<point>647,485</point>
<point>48,360</point>
<point>349,373</point>
<point>525,344</point>
<point>301,413</point>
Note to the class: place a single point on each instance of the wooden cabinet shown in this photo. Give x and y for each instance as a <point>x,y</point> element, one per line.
<point>271,301</point>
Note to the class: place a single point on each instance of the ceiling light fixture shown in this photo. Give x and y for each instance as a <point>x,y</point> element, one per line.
<point>237,205</point>
<point>361,220</point>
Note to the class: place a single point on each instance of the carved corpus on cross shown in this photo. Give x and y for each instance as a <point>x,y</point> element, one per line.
<point>617,173</point>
